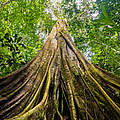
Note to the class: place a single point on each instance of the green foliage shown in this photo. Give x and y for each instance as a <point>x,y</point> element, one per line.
<point>10,53</point>
<point>98,38</point>
<point>25,24</point>
<point>21,23</point>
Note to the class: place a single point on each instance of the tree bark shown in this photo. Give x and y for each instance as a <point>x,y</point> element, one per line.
<point>60,84</point>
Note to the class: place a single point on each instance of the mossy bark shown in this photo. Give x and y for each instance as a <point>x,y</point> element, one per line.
<point>60,84</point>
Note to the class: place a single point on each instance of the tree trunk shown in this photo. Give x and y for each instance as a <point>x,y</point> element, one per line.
<point>60,84</point>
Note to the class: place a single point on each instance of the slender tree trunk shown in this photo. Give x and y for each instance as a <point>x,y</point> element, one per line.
<point>60,84</point>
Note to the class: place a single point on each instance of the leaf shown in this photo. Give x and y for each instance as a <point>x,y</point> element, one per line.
<point>107,19</point>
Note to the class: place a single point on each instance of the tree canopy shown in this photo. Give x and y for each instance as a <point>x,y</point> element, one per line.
<point>24,25</point>
<point>94,26</point>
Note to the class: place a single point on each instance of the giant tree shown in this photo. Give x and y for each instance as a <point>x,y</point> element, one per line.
<point>59,83</point>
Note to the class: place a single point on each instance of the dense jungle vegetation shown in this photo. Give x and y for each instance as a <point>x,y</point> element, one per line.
<point>93,24</point>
